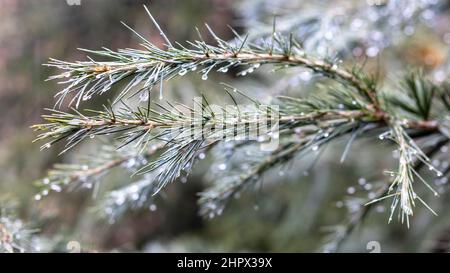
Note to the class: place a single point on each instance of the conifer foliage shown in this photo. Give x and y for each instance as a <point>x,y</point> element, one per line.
<point>160,141</point>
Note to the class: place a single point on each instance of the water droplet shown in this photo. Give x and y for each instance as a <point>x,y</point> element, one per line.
<point>372,51</point>
<point>135,196</point>
<point>143,96</point>
<point>362,181</point>
<point>37,197</point>
<point>257,65</point>
<point>85,98</point>
<point>351,190</point>
<point>202,156</point>
<point>45,192</point>
<point>193,68</point>
<point>339,204</point>
<point>222,166</point>
<point>85,167</point>
<point>436,162</point>
<point>119,200</point>
<point>315,148</point>
<point>56,188</point>
<point>368,187</point>
<point>46,181</point>
<point>205,77</point>
<point>91,136</point>
<point>182,72</point>
<point>223,70</point>
<point>153,207</point>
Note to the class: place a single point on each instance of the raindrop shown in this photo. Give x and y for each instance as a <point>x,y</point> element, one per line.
<point>362,181</point>
<point>182,72</point>
<point>144,96</point>
<point>222,166</point>
<point>37,197</point>
<point>436,162</point>
<point>120,200</point>
<point>56,188</point>
<point>315,148</point>
<point>46,181</point>
<point>152,207</point>
<point>372,51</point>
<point>135,196</point>
<point>85,98</point>
<point>351,190</point>
<point>201,155</point>
<point>205,77</point>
